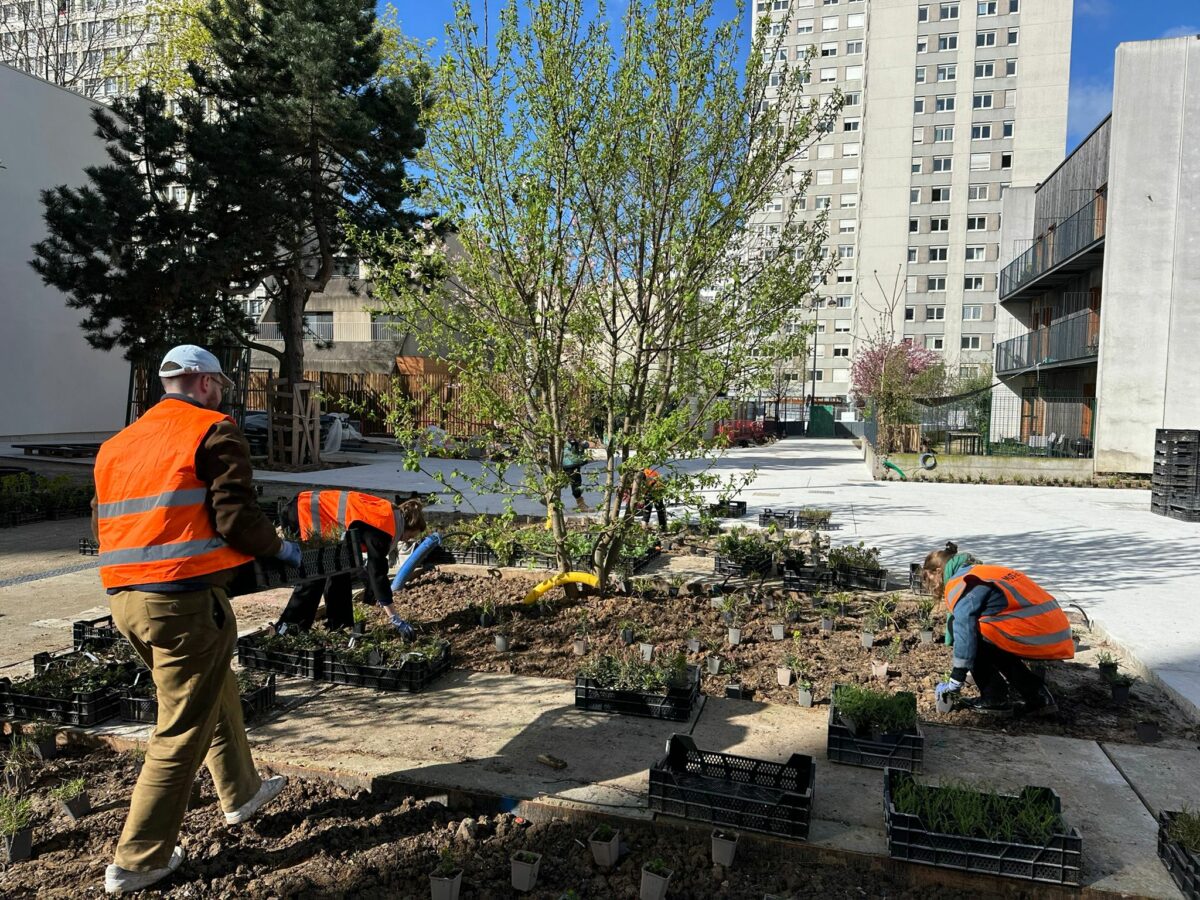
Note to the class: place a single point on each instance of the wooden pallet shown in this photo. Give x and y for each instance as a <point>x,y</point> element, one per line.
<point>75,451</point>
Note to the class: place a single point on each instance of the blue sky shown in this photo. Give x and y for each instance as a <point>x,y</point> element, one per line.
<point>1099,26</point>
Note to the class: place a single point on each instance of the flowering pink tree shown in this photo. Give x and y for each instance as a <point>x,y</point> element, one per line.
<point>887,375</point>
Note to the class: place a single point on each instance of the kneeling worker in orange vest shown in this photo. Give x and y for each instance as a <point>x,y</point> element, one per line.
<point>381,527</point>
<point>175,515</point>
<point>998,618</point>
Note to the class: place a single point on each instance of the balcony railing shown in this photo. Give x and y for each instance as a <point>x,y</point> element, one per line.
<point>1069,237</point>
<point>327,332</point>
<point>1076,337</point>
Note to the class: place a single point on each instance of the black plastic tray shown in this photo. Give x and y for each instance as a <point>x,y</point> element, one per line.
<point>88,547</point>
<point>145,709</point>
<point>676,704</point>
<point>95,633</point>
<point>861,579</point>
<point>1058,861</point>
<point>784,517</point>
<point>906,754</point>
<point>83,708</point>
<point>411,676</point>
<point>302,663</point>
<point>736,792</point>
<point>730,509</point>
<point>342,558</point>
<point>1182,863</point>
<point>474,556</point>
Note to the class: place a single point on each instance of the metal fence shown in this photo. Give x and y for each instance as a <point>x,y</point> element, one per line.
<point>1074,337</point>
<point>1004,424</point>
<point>1068,237</point>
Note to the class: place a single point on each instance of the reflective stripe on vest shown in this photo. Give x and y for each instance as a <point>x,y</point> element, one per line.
<point>321,511</point>
<point>1031,625</point>
<point>154,524</point>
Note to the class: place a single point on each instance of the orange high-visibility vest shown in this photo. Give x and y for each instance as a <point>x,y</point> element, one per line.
<point>154,525</point>
<point>321,511</point>
<point>1031,625</point>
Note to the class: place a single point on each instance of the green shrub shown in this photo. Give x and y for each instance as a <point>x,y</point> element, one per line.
<point>69,790</point>
<point>872,710</point>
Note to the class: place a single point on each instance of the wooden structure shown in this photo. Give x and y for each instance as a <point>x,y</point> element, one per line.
<point>294,430</point>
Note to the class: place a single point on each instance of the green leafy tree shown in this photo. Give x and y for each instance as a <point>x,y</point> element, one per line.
<point>607,275</point>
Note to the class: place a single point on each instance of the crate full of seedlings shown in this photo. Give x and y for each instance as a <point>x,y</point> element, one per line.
<point>874,729</point>
<point>952,827</point>
<point>383,661</point>
<point>473,555</point>
<point>744,554</point>
<point>735,792</point>
<point>857,566</point>
<point>814,518</point>
<point>728,509</point>
<point>320,557</point>
<point>630,686</point>
<point>803,574</point>
<point>91,634</point>
<point>88,547</point>
<point>782,518</point>
<point>74,689</point>
<point>1179,849</point>
<point>139,702</point>
<point>287,652</point>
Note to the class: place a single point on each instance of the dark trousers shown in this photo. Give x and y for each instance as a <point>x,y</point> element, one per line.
<point>996,669</point>
<point>339,604</point>
<point>575,473</point>
<point>660,508</point>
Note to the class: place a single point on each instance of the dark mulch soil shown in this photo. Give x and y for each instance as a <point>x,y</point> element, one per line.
<point>542,643</point>
<point>318,840</point>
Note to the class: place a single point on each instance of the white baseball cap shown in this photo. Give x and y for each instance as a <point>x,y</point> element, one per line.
<point>188,359</point>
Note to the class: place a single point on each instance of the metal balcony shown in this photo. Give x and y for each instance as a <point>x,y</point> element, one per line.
<point>1065,250</point>
<point>1071,340</point>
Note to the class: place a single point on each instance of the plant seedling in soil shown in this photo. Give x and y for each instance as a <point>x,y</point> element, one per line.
<point>866,711</point>
<point>605,844</point>
<point>1107,664</point>
<point>714,665</point>
<point>655,878</point>
<point>525,870</point>
<point>731,610</point>
<point>18,764</point>
<point>627,630</point>
<point>1027,818</point>
<point>15,817</point>
<point>724,848</point>
<point>855,556</point>
<point>1120,685</point>
<point>804,689</point>
<point>693,640</point>
<point>792,609</point>
<point>841,602</point>
<point>778,631</point>
<point>73,797</point>
<point>43,736</point>
<point>1185,829</point>
<point>487,613</point>
<point>733,687</point>
<point>445,881</point>
<point>502,643</point>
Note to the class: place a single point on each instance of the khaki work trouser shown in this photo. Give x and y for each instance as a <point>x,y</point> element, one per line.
<point>186,640</point>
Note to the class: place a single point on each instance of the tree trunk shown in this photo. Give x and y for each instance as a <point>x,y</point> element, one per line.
<point>293,297</point>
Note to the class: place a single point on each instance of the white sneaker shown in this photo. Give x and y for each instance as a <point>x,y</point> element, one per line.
<point>266,793</point>
<point>123,881</point>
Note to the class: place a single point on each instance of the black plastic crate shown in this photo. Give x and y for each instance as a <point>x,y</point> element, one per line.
<point>1057,861</point>
<point>318,562</point>
<point>728,509</point>
<point>1182,515</point>
<point>676,704</point>
<point>916,581</point>
<point>784,517</point>
<point>1182,863</point>
<point>905,752</point>
<point>303,663</point>
<point>735,792</point>
<point>1170,436</point>
<point>83,708</point>
<point>95,633</point>
<point>255,703</point>
<point>88,547</point>
<point>861,579</point>
<point>534,559</point>
<point>411,676</point>
<point>806,578</point>
<point>474,556</point>
<point>819,523</point>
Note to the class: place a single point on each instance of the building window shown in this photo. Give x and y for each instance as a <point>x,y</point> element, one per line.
<point>939,223</point>
<point>943,134</point>
<point>851,124</point>
<point>938,254</point>
<point>948,11</point>
<point>850,150</point>
<point>825,151</point>
<point>1010,68</point>
<point>841,352</point>
<point>910,313</point>
<point>981,162</point>
<point>986,8</point>
<point>936,313</point>
<point>919,105</point>
<point>939,195</point>
<point>982,101</point>
<point>920,74</point>
<point>970,342</point>
<point>853,47</point>
<point>968,371</point>
<point>816,375</point>
<point>821,202</point>
<point>922,44</point>
<point>849,201</point>
<point>975,253</point>
<point>943,164</point>
<point>855,20</point>
<point>972,313</point>
<point>1014,6</point>
<point>934,342</point>
<point>849,176</point>
<point>1013,36</point>
<point>1010,99</point>
<point>853,98</point>
<point>1006,160</point>
<point>947,42</point>
<point>829,23</point>
<point>847,226</point>
<point>977,192</point>
<point>914,195</point>
<point>985,70</point>
<point>985,39</point>
<point>918,134</point>
<point>912,254</point>
<point>914,226</point>
<point>854,73</point>
<point>1008,129</point>
<point>825,176</point>
<point>945,103</point>
<point>922,13</point>
<point>804,26</point>
<point>916,165</point>
<point>828,75</point>
<point>936,284</point>
<point>973,283</point>
<point>947,73</point>
<point>800,203</point>
<point>829,49</point>
<point>845,278</point>
<point>981,132</point>
<point>843,301</point>
<point>976,223</point>
<point>845,251</point>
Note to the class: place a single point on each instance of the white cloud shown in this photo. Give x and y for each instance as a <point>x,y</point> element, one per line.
<point>1181,31</point>
<point>1095,8</point>
<point>1090,101</point>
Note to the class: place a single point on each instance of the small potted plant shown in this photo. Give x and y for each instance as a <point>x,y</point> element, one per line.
<point>487,613</point>
<point>1120,685</point>
<point>945,703</point>
<point>73,797</point>
<point>646,649</point>
<point>804,690</point>
<point>792,610</point>
<point>879,665</point>
<point>925,618</point>
<point>786,671</point>
<point>867,636</point>
<point>605,844</point>
<point>1108,665</point>
<point>693,641</point>
<point>1147,732</point>
<point>18,765</point>
<point>503,643</point>
<point>733,687</point>
<point>581,634</point>
<point>445,881</point>
<point>724,847</point>
<point>627,630</point>
<point>15,817</point>
<point>732,614</point>
<point>714,664</point>
<point>525,867</point>
<point>655,878</point>
<point>43,740</point>
<point>778,631</point>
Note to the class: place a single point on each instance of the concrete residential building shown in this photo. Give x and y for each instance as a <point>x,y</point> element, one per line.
<point>948,104</point>
<point>1100,295</point>
<point>58,387</point>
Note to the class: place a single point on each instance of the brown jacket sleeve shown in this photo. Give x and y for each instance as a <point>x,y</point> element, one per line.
<point>223,463</point>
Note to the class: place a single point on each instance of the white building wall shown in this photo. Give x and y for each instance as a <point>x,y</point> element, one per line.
<point>56,386</point>
<point>1148,377</point>
<point>1017,213</point>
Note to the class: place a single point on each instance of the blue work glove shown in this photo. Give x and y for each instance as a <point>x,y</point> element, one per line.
<point>401,626</point>
<point>948,687</point>
<point>289,553</point>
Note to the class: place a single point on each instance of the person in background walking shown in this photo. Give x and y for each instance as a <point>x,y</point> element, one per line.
<point>999,617</point>
<point>175,513</point>
<point>574,458</point>
<point>381,527</point>
<point>652,495</point>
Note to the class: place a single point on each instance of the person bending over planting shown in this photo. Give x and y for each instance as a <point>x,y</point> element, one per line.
<point>999,617</point>
<point>381,525</point>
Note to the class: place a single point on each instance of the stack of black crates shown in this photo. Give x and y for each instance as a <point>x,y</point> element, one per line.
<point>1175,485</point>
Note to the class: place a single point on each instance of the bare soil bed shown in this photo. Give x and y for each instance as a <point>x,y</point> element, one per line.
<point>542,646</point>
<point>319,840</point>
